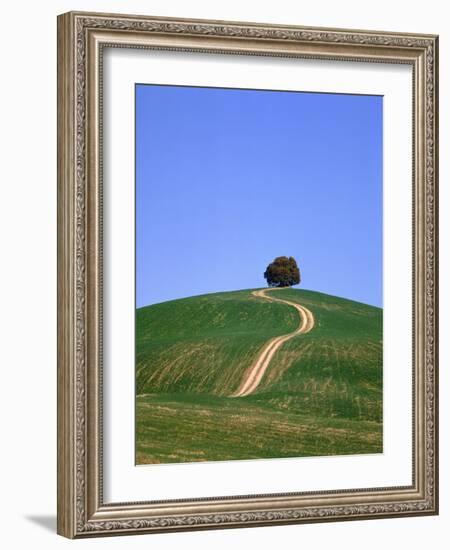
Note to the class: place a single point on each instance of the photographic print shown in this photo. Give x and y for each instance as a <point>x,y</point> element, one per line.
<point>259,267</point>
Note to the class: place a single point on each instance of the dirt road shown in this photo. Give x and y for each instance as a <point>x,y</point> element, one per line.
<point>254,375</point>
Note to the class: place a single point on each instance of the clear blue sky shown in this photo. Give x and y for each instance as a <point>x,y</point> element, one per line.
<point>226,180</point>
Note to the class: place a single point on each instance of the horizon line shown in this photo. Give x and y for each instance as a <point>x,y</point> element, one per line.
<point>255,288</point>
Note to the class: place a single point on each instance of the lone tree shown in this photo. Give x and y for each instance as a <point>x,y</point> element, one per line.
<point>283,271</point>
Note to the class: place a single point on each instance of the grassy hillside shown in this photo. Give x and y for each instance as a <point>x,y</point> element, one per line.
<point>322,393</point>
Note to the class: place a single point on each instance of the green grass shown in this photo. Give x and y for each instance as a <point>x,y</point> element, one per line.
<point>321,395</point>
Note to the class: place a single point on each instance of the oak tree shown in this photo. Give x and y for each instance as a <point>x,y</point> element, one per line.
<point>282,272</point>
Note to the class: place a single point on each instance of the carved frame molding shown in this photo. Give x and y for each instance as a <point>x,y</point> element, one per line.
<point>81,39</point>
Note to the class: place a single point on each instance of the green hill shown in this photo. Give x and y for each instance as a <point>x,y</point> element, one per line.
<point>321,395</point>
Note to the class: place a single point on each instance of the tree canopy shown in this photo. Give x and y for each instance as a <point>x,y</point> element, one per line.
<point>282,272</point>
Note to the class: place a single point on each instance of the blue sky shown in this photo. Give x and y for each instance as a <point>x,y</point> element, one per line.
<point>226,180</point>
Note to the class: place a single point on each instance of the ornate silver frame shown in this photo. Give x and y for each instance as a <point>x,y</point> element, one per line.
<point>81,39</point>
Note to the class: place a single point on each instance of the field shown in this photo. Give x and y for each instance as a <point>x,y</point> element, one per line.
<point>320,395</point>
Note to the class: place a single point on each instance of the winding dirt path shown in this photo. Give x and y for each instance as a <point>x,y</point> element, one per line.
<point>254,375</point>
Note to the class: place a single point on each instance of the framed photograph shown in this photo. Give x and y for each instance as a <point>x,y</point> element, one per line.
<point>247,274</point>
